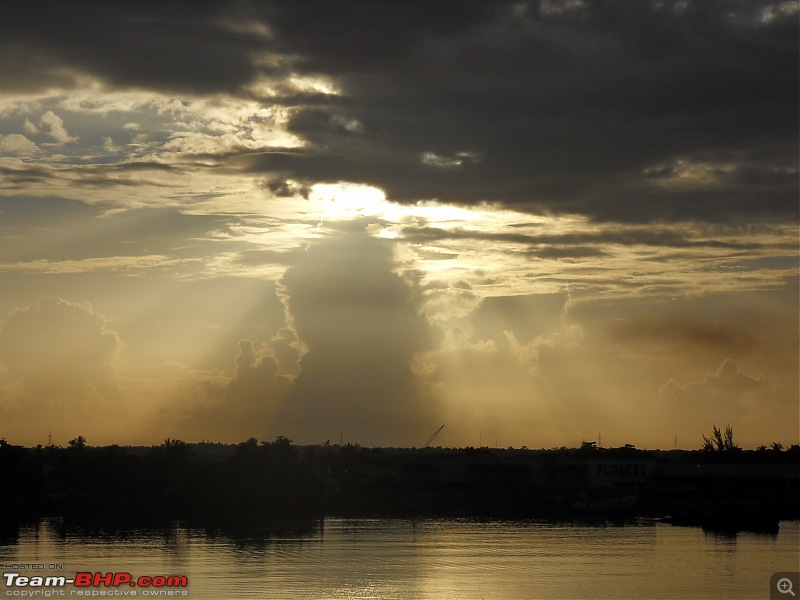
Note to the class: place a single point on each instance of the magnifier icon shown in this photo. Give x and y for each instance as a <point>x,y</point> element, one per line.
<point>784,586</point>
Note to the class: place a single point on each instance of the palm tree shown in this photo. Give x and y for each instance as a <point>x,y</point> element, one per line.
<point>720,442</point>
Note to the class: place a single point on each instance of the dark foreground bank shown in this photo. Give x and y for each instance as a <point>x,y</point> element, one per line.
<point>277,483</point>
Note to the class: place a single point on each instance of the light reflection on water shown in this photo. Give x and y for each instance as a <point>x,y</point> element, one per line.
<point>430,559</point>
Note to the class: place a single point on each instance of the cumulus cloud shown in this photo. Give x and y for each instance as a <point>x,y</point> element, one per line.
<point>286,350</point>
<point>361,324</point>
<point>515,373</point>
<point>518,327</point>
<point>728,384</point>
<point>244,407</point>
<point>17,144</point>
<point>729,394</point>
<point>56,129</point>
<point>59,337</point>
<point>58,361</point>
<point>651,142</point>
<point>526,317</point>
<point>344,362</point>
<point>562,369</point>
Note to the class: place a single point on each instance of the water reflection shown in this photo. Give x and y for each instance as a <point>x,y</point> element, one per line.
<point>420,558</point>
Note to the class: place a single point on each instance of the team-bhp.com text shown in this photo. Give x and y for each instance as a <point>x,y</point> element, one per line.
<point>94,585</point>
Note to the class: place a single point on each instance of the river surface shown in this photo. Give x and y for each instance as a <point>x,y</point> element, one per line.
<point>416,559</point>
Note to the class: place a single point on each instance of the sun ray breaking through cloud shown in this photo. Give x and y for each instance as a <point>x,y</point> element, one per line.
<point>527,219</point>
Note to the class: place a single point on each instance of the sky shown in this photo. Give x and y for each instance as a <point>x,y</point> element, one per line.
<point>535,222</point>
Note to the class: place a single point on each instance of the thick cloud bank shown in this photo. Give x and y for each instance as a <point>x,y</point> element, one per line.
<point>635,110</point>
<point>361,325</point>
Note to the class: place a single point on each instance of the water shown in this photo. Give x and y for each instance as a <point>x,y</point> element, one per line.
<point>427,559</point>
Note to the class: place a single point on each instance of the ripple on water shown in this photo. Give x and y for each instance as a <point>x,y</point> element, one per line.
<point>431,559</point>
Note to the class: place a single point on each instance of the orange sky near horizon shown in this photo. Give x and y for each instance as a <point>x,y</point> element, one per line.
<point>534,222</point>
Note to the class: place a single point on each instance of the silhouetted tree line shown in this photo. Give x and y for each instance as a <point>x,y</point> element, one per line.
<point>270,480</point>
<point>280,482</point>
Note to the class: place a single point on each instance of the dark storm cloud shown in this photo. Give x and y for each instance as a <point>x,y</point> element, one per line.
<point>570,110</point>
<point>630,110</point>
<point>174,45</point>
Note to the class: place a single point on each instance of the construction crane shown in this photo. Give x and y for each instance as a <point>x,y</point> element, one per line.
<point>433,437</point>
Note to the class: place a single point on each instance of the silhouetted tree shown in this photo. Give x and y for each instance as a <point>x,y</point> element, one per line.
<point>172,444</point>
<point>720,442</point>
<point>78,443</point>
<point>777,446</point>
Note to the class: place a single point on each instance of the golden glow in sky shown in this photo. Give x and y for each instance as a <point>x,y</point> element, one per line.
<point>306,237</point>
